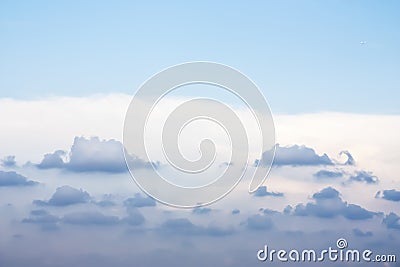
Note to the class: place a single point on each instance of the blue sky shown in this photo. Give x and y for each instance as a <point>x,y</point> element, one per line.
<point>306,56</point>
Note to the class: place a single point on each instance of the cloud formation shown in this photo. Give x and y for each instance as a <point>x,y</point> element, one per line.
<point>52,160</point>
<point>12,178</point>
<point>42,218</point>
<point>65,196</point>
<point>96,155</point>
<point>365,177</point>
<point>297,156</point>
<point>92,155</point>
<point>328,204</point>
<point>201,211</point>
<point>392,195</point>
<point>392,221</point>
<point>139,202</point>
<point>259,222</point>
<point>350,160</point>
<point>262,192</point>
<point>235,211</point>
<point>88,155</point>
<point>8,162</point>
<point>325,174</point>
<point>134,217</point>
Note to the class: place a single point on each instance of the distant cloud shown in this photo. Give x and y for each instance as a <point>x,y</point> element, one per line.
<point>92,155</point>
<point>104,203</point>
<point>325,174</point>
<point>298,156</point>
<point>185,227</point>
<point>327,193</point>
<point>363,176</point>
<point>52,160</point>
<point>107,200</point>
<point>90,218</point>
<point>392,195</point>
<point>392,221</point>
<point>359,233</point>
<point>12,178</point>
<point>48,221</point>
<point>328,204</point>
<point>138,201</point>
<point>39,212</point>
<point>269,211</point>
<point>235,211</point>
<point>65,196</point>
<point>350,160</point>
<point>134,217</point>
<point>259,222</point>
<point>8,162</point>
<point>356,212</point>
<point>182,225</point>
<point>41,217</point>
<point>201,211</point>
<point>262,192</point>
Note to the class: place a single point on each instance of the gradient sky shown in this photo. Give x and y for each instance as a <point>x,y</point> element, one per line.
<point>68,70</point>
<point>306,56</point>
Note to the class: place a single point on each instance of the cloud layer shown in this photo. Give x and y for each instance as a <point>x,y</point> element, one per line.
<point>12,178</point>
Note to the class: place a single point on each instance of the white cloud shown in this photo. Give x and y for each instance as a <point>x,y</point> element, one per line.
<point>37,127</point>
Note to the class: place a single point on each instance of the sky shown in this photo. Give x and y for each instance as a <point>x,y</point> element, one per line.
<point>306,56</point>
<point>69,69</point>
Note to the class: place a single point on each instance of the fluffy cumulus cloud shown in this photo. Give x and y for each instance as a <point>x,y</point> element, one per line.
<point>8,162</point>
<point>298,156</point>
<point>11,178</point>
<point>88,155</point>
<point>65,196</point>
<point>327,193</point>
<point>392,195</point>
<point>263,192</point>
<point>92,155</point>
<point>52,160</point>
<point>96,155</point>
<point>328,204</point>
